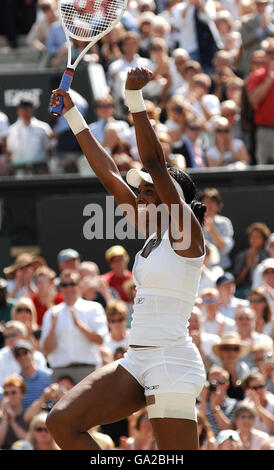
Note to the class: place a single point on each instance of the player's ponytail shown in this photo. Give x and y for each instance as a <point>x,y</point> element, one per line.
<point>189,190</point>
<point>199,210</point>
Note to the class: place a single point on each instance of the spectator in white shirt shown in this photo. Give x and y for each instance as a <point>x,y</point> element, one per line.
<point>117,70</point>
<point>204,341</point>
<point>207,105</point>
<point>245,323</point>
<point>73,331</point>
<point>226,286</point>
<point>226,150</point>
<point>185,27</point>
<point>218,229</point>
<point>176,79</point>
<point>116,312</point>
<point>29,141</point>
<point>13,332</point>
<point>214,321</point>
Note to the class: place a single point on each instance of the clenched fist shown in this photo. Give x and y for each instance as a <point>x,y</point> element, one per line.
<point>137,78</point>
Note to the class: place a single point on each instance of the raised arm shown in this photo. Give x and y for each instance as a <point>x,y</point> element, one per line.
<point>152,156</point>
<point>99,160</point>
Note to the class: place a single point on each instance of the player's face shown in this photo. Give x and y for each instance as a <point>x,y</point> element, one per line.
<point>146,194</point>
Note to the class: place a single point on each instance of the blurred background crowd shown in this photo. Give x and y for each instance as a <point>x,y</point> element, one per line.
<point>209,100</point>
<point>211,104</point>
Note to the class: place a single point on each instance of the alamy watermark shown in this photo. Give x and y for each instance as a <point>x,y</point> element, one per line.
<point>118,222</point>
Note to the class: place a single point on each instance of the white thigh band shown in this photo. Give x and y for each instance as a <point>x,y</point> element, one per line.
<point>172,405</point>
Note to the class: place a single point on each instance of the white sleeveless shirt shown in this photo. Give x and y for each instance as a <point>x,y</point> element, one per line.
<point>167,286</point>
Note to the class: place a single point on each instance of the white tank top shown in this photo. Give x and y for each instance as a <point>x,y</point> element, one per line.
<point>167,286</point>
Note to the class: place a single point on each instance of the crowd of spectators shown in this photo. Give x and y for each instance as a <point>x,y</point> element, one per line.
<point>56,329</point>
<point>209,99</point>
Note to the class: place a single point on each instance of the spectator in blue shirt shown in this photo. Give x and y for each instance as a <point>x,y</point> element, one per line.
<point>55,39</point>
<point>36,380</point>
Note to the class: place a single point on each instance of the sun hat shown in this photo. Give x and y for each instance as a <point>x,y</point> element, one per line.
<point>231,338</point>
<point>21,261</point>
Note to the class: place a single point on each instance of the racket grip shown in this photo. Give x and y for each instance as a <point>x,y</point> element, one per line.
<point>64,85</point>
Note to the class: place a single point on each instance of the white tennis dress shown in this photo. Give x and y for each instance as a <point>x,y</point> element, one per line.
<point>167,286</point>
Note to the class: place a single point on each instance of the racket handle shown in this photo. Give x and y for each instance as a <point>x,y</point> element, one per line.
<point>64,85</point>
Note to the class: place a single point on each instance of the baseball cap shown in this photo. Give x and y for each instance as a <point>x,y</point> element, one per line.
<point>68,253</point>
<point>225,278</point>
<point>227,434</point>
<point>115,250</point>
<point>24,344</point>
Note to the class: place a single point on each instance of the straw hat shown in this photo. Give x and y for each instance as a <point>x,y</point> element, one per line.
<point>23,260</point>
<point>231,339</point>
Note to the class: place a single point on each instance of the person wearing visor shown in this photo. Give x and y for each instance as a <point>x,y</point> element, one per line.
<point>162,368</point>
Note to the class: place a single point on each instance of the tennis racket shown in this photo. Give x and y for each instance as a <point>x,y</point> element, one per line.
<point>85,20</point>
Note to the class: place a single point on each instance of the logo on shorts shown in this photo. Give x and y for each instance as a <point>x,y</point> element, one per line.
<point>152,387</point>
<point>140,300</point>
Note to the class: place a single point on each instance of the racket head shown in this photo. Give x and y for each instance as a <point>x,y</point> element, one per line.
<point>89,20</point>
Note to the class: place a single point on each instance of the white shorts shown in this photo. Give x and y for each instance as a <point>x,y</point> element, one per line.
<point>162,370</point>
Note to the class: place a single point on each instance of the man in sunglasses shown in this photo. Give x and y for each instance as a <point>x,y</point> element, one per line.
<point>36,379</point>
<point>72,332</point>
<point>12,424</point>
<point>215,322</point>
<point>13,332</point>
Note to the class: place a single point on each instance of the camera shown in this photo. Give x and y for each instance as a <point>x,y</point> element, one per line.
<point>213,386</point>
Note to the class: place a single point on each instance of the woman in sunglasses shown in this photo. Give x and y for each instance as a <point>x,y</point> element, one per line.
<point>12,424</point>
<point>24,311</point>
<point>227,150</point>
<point>255,390</point>
<point>251,437</point>
<point>38,434</point>
<point>116,312</point>
<point>162,368</point>
<point>230,350</point>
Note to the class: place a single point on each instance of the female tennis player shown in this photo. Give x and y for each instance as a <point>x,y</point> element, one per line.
<point>162,368</point>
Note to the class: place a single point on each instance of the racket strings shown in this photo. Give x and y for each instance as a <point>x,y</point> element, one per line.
<point>86,19</point>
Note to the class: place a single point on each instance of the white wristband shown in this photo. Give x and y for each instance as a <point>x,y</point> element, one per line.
<point>134,100</point>
<point>75,120</point>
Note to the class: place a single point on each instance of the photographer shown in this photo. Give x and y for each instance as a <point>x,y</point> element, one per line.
<point>215,405</point>
<point>50,396</point>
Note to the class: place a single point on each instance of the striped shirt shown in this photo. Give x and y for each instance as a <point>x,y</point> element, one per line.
<point>35,386</point>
